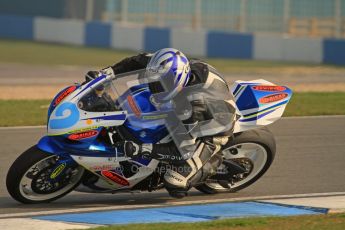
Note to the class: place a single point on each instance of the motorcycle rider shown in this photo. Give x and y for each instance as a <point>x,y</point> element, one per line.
<point>196,89</point>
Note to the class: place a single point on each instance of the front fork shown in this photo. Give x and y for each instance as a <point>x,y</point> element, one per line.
<point>62,167</point>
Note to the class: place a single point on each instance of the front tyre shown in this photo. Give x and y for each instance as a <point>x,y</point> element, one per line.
<point>29,178</point>
<point>254,150</point>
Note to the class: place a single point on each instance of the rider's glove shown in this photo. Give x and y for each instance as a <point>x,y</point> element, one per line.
<point>132,149</point>
<point>108,71</point>
<point>91,75</point>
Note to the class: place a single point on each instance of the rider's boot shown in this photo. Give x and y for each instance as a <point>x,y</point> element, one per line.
<point>180,178</point>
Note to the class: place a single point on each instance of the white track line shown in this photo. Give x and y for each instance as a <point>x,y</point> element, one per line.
<point>253,198</point>
<point>23,127</point>
<point>30,224</point>
<point>313,117</point>
<point>330,202</point>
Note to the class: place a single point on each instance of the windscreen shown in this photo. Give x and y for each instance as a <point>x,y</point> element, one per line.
<point>101,98</point>
<point>143,95</point>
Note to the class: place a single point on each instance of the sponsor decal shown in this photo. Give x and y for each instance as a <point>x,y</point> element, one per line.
<point>64,94</point>
<point>115,177</point>
<point>155,117</point>
<point>269,88</point>
<point>170,174</point>
<point>169,157</point>
<point>273,98</point>
<point>83,129</point>
<point>102,167</point>
<point>142,134</point>
<point>133,106</point>
<point>83,135</point>
<point>57,171</point>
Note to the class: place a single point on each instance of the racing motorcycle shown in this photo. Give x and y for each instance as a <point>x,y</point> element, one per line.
<point>84,122</point>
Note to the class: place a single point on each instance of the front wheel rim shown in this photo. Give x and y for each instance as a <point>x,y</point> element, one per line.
<point>26,183</point>
<point>254,153</point>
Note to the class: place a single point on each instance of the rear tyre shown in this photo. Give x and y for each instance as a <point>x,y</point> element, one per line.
<point>252,149</point>
<point>28,179</point>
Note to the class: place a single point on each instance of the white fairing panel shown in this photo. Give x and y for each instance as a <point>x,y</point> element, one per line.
<point>259,103</point>
<point>102,165</point>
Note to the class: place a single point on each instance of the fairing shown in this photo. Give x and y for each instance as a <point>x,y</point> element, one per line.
<point>259,103</point>
<point>68,117</point>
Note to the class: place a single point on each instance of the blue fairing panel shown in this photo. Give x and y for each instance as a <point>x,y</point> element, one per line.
<point>248,100</point>
<point>144,121</point>
<point>47,144</point>
<point>61,146</point>
<point>59,97</point>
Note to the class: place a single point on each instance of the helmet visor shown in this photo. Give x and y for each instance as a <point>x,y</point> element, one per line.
<point>166,85</point>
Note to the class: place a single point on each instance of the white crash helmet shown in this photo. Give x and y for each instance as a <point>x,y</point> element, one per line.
<point>172,70</point>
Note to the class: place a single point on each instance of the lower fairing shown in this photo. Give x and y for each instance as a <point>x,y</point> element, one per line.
<point>113,174</point>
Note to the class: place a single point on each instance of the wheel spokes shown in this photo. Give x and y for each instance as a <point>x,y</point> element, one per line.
<point>252,156</point>
<point>36,185</point>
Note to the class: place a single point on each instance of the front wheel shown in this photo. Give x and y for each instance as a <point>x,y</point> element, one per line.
<point>39,177</point>
<point>254,150</point>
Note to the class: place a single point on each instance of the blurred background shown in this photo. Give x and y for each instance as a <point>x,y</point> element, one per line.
<point>48,44</point>
<point>308,18</point>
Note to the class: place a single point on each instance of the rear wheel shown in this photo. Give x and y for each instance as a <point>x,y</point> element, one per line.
<point>29,180</point>
<point>254,150</point>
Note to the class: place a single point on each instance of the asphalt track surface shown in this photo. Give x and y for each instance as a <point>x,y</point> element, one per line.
<point>310,159</point>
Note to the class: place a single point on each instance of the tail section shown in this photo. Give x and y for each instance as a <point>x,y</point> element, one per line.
<point>259,103</point>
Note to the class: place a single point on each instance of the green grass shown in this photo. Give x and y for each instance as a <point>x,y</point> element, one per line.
<point>319,222</point>
<point>316,103</point>
<point>23,112</point>
<point>54,54</point>
<point>33,112</point>
<point>255,66</point>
